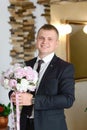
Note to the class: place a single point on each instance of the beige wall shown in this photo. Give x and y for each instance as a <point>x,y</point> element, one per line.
<point>75,116</point>
<point>71,11</point>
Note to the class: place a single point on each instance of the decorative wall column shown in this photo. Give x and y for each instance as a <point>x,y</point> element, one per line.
<point>46,4</point>
<point>22,30</point>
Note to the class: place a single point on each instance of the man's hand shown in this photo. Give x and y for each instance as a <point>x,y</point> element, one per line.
<point>24,98</point>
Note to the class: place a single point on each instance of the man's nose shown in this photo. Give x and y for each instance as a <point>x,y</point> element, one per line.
<point>45,41</point>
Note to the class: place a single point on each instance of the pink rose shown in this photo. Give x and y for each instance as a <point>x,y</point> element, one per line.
<point>8,72</point>
<point>19,73</point>
<point>12,83</point>
<point>29,73</point>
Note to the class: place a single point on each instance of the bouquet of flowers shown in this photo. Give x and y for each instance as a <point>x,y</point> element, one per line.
<point>20,79</point>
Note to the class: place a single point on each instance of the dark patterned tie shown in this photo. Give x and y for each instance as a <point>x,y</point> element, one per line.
<point>39,65</point>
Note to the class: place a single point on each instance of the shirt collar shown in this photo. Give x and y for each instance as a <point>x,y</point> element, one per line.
<point>47,58</point>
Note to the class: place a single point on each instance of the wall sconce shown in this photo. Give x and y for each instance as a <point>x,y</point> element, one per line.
<point>85,29</point>
<point>64,29</point>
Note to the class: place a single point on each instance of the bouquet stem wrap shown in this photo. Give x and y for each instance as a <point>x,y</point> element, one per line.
<point>17,112</point>
<point>11,122</point>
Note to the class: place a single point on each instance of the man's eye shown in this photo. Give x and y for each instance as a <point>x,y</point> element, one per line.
<point>41,38</point>
<point>49,39</point>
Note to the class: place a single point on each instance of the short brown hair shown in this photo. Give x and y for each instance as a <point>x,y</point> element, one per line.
<point>49,27</point>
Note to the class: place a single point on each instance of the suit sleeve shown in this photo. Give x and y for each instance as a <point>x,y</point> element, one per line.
<point>65,96</point>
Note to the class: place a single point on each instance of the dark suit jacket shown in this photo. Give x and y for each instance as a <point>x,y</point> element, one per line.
<point>55,93</point>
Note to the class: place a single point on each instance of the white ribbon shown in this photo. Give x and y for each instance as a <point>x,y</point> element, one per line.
<point>11,121</point>
<point>17,112</point>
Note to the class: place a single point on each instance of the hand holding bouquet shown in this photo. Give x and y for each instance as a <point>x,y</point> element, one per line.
<point>19,79</point>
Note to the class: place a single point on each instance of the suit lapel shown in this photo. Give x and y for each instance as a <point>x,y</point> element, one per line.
<point>31,62</point>
<point>47,72</point>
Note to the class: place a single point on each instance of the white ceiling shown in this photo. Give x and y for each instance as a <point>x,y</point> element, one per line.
<point>65,1</point>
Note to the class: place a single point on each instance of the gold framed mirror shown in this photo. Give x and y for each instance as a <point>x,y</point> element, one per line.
<point>77,49</point>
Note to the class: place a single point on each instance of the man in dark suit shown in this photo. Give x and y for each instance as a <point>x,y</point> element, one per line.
<point>55,89</point>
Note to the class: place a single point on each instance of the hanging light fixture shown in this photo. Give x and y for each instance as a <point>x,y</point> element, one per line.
<point>64,29</point>
<point>85,29</point>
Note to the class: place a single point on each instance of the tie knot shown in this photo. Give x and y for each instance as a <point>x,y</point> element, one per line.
<point>40,62</point>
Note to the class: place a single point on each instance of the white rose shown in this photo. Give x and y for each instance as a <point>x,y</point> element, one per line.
<point>23,86</point>
<point>6,82</point>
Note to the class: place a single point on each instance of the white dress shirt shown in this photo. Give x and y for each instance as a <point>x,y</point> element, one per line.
<point>44,65</point>
<point>43,68</point>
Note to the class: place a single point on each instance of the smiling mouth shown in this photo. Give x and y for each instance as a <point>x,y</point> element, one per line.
<point>44,46</point>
